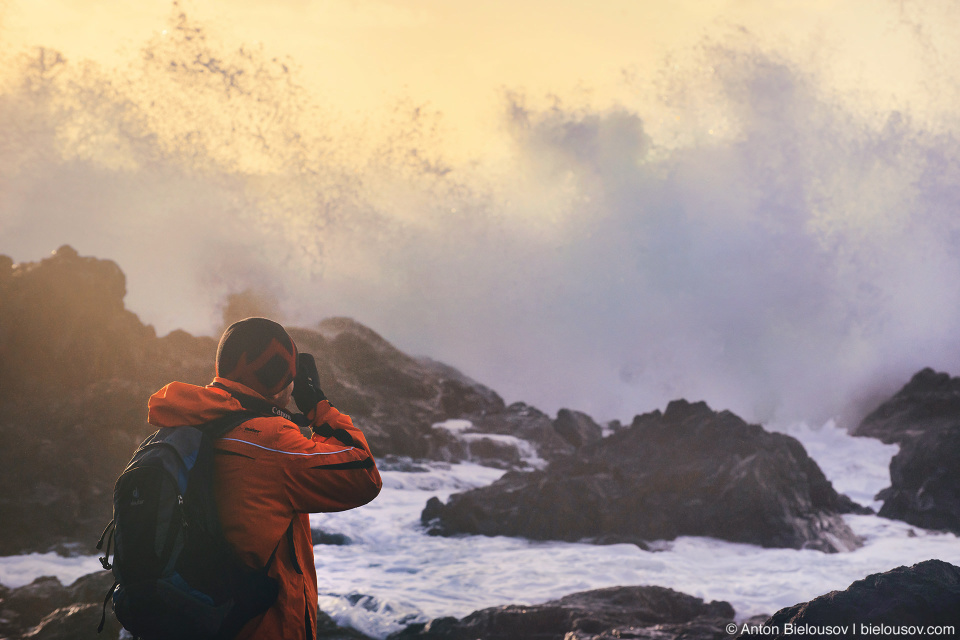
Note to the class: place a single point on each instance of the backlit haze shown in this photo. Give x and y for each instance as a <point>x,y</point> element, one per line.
<point>596,207</point>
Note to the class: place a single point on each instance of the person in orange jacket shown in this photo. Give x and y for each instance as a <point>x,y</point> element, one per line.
<point>268,476</point>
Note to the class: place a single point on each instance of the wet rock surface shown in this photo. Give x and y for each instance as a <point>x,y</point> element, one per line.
<point>924,419</point>
<point>615,612</point>
<point>923,595</point>
<point>688,471</point>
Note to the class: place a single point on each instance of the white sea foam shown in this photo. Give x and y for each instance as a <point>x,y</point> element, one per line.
<point>393,573</point>
<point>525,449</point>
<point>16,571</point>
<point>411,576</point>
<point>858,467</point>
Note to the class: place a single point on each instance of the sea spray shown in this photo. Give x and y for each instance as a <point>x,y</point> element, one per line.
<point>789,257</point>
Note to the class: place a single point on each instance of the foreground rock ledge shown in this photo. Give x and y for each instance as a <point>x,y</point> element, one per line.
<point>688,471</point>
<point>922,596</point>
<point>616,612</point>
<point>47,610</point>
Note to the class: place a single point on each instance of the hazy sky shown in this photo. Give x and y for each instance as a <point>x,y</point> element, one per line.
<point>599,205</point>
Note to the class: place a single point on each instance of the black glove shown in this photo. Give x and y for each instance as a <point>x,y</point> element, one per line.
<point>306,389</point>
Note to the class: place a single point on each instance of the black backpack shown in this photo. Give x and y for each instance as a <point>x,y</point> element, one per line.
<point>176,576</point>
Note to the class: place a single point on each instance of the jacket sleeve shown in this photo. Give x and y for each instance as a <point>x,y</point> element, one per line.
<point>334,470</point>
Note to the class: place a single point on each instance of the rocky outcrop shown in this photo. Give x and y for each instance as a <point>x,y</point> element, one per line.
<point>929,402</point>
<point>47,610</point>
<point>577,428</point>
<point>924,419</point>
<point>688,471</point>
<point>397,399</point>
<point>906,602</point>
<point>76,369</point>
<point>616,612</point>
<point>393,397</point>
<point>925,481</point>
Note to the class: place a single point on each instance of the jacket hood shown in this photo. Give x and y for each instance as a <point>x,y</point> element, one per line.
<point>179,404</point>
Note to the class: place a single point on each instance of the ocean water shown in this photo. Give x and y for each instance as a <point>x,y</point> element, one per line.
<point>392,573</point>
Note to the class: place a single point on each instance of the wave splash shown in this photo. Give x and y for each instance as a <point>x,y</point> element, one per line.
<point>781,253</point>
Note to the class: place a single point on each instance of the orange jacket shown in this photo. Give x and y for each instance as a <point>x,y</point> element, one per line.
<point>268,475</point>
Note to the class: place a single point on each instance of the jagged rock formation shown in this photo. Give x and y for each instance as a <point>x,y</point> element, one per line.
<point>616,612</point>
<point>396,399</point>
<point>393,397</point>
<point>76,369</point>
<point>688,471</point>
<point>929,402</point>
<point>906,600</point>
<point>924,419</point>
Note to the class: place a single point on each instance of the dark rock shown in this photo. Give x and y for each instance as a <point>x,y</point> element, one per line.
<point>30,603</point>
<point>690,471</point>
<point>63,324</point>
<point>577,428</point>
<point>334,539</point>
<point>845,504</point>
<point>619,538</point>
<point>925,481</point>
<point>46,609</point>
<point>585,615</point>
<point>75,622</point>
<point>391,462</point>
<point>432,512</point>
<point>924,419</point>
<point>926,594</point>
<point>92,587</point>
<point>929,402</point>
<point>395,398</point>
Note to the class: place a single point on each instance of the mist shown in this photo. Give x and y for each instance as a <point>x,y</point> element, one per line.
<point>772,249</point>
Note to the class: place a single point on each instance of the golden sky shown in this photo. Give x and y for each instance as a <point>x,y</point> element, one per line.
<point>421,259</point>
<point>459,57</point>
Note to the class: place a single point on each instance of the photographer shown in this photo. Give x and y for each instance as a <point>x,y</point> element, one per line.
<point>268,477</point>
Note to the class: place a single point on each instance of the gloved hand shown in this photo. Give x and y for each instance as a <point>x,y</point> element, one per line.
<point>306,389</point>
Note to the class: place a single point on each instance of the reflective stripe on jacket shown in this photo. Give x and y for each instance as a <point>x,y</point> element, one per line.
<point>269,477</point>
